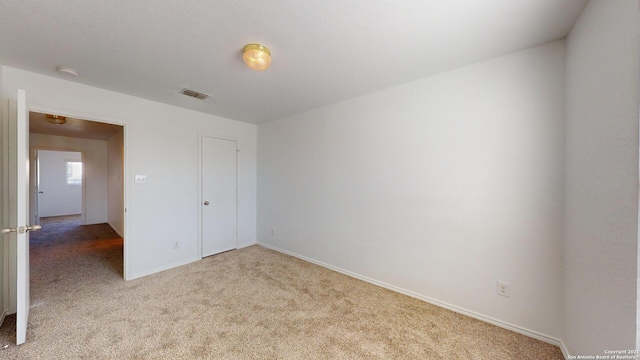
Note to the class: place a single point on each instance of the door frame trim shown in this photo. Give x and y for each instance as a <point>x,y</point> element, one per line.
<point>45,109</point>
<point>202,135</point>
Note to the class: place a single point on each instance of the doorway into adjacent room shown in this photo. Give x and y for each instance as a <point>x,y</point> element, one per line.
<point>58,187</point>
<point>85,247</point>
<point>78,197</point>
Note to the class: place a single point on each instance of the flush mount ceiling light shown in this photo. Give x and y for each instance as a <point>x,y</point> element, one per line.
<point>256,56</point>
<point>67,71</point>
<point>56,119</point>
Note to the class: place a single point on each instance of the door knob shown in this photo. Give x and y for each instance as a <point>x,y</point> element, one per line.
<point>33,228</point>
<point>206,203</point>
<point>8,230</point>
<point>21,229</point>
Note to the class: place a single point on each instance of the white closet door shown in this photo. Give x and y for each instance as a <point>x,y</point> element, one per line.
<point>219,201</point>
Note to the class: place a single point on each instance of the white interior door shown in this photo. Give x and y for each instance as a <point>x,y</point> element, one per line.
<point>219,201</point>
<point>19,207</point>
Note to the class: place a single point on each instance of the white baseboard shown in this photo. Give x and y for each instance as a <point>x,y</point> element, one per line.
<point>56,215</point>
<point>240,246</point>
<point>530,333</point>
<point>115,229</point>
<point>174,265</point>
<point>565,351</point>
<point>162,268</point>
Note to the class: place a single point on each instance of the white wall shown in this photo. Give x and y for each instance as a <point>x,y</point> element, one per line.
<point>439,187</point>
<point>57,197</point>
<point>95,171</point>
<point>160,142</point>
<point>601,183</point>
<point>115,181</point>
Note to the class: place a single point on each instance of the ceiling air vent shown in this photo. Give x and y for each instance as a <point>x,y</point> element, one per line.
<point>195,94</point>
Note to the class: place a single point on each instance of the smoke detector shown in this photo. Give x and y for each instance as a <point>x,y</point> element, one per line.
<point>67,71</point>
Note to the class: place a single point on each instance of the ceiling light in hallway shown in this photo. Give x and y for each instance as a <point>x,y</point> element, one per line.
<point>56,119</point>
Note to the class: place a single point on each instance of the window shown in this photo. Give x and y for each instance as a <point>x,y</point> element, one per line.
<point>74,172</point>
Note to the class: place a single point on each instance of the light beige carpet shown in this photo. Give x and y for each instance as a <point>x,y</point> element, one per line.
<point>251,303</point>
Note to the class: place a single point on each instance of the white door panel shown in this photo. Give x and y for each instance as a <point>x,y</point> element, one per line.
<point>219,195</point>
<point>19,215</point>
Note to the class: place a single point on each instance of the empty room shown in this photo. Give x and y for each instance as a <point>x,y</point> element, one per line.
<point>326,179</point>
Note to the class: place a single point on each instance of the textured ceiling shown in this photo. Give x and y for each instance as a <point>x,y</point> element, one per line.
<point>323,51</point>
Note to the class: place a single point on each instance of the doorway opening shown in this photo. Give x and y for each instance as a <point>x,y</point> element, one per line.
<point>57,183</point>
<point>105,194</point>
<point>77,196</point>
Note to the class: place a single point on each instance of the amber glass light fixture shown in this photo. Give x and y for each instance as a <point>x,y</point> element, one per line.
<point>256,56</point>
<point>56,119</point>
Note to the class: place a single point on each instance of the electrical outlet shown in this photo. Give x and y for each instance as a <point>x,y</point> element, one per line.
<point>503,289</point>
<point>140,179</point>
<point>176,244</point>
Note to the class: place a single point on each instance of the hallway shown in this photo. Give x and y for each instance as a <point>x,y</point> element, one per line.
<point>64,245</point>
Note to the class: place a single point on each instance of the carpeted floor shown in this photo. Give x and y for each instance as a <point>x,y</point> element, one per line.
<point>251,303</point>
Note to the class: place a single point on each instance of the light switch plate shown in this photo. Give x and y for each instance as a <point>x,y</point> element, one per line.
<point>141,179</point>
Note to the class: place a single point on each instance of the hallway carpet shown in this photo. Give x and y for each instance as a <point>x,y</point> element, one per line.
<point>251,303</point>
